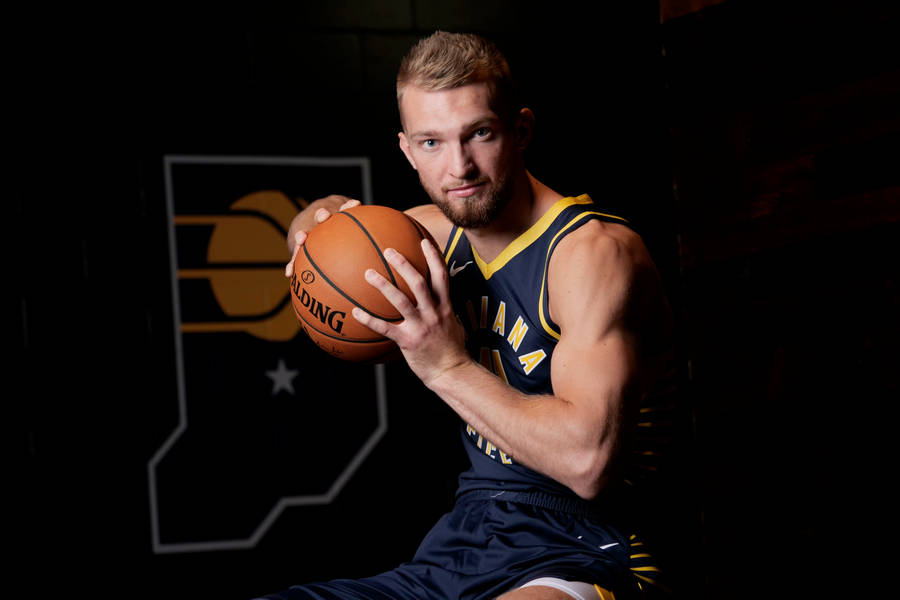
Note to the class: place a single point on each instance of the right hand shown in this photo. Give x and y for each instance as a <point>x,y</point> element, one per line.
<point>317,212</point>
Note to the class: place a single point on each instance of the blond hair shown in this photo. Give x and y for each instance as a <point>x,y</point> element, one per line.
<point>445,60</point>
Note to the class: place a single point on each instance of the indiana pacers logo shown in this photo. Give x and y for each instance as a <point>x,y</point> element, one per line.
<point>252,415</point>
<point>242,269</point>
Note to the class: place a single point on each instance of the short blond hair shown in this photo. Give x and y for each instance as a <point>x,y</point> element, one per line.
<point>445,60</point>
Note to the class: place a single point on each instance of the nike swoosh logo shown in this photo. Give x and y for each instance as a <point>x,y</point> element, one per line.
<point>454,269</point>
<point>604,547</point>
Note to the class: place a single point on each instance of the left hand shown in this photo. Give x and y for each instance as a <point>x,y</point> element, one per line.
<point>430,336</point>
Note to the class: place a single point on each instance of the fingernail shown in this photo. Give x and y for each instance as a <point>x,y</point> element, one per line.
<point>390,253</point>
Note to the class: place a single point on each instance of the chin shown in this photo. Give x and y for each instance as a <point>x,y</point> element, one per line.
<point>470,213</point>
<point>470,217</point>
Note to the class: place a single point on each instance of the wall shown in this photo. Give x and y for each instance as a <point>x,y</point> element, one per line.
<point>776,123</point>
<point>784,123</point>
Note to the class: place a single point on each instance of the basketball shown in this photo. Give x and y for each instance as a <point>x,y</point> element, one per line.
<point>328,279</point>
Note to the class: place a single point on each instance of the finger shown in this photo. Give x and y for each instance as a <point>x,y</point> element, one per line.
<point>349,204</point>
<point>412,277</point>
<point>322,215</point>
<point>299,238</point>
<point>374,323</point>
<point>440,280</point>
<point>398,299</point>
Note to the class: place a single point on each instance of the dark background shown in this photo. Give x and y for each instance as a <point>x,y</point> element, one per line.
<point>755,144</point>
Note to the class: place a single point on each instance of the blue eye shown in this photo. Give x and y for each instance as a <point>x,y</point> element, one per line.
<point>482,132</point>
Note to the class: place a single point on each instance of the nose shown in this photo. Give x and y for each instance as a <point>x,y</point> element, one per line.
<point>462,166</point>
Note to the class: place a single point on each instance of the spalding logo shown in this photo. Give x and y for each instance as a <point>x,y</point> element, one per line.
<point>328,316</point>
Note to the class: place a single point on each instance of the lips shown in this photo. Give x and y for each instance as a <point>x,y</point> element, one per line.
<point>466,190</point>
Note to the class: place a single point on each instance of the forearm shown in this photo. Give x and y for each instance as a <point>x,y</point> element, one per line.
<point>570,436</point>
<point>543,432</point>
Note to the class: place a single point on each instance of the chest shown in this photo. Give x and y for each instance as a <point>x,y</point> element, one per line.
<point>501,312</point>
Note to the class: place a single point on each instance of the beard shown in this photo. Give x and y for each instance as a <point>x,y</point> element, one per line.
<point>476,211</point>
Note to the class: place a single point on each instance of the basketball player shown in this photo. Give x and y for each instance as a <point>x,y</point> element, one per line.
<point>542,326</point>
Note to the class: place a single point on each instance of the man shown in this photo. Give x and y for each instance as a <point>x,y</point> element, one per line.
<point>543,336</point>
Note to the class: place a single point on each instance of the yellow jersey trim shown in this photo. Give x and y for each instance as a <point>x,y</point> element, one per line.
<point>453,244</point>
<point>550,331</point>
<point>528,237</point>
<point>603,593</point>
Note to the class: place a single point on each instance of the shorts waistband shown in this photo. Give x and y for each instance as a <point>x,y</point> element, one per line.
<point>575,506</point>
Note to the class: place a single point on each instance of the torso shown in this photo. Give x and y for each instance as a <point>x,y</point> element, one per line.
<point>503,304</point>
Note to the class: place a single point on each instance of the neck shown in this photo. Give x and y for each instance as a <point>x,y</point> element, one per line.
<point>531,199</point>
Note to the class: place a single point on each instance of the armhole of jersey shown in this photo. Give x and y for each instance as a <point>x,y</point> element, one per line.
<point>547,323</point>
<point>455,234</point>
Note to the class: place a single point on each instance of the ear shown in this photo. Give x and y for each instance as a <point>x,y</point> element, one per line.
<point>524,127</point>
<point>404,146</point>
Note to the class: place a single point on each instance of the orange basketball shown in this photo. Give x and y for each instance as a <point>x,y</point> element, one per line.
<point>328,279</point>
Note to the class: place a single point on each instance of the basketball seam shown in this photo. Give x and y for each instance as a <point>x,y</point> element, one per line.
<point>422,236</point>
<point>378,250</point>
<point>416,225</point>
<point>343,293</point>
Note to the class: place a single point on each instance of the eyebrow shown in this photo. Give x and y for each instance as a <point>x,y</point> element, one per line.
<point>423,134</point>
<point>473,124</point>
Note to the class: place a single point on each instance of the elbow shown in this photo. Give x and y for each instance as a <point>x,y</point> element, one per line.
<point>590,473</point>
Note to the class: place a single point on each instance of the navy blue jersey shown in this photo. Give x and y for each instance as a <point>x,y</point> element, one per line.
<point>503,307</point>
<point>510,525</point>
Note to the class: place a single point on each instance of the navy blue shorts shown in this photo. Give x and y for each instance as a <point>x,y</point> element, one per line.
<point>492,542</point>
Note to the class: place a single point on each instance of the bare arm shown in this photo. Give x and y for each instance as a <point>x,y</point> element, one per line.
<point>432,219</point>
<point>573,435</point>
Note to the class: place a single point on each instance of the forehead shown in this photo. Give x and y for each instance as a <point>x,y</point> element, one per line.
<point>435,110</point>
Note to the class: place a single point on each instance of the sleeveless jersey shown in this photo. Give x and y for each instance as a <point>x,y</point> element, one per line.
<point>503,306</point>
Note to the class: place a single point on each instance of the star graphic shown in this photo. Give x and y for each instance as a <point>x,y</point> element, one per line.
<point>282,378</point>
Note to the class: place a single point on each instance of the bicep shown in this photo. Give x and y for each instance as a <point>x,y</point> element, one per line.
<point>595,372</point>
<point>592,378</point>
<point>596,361</point>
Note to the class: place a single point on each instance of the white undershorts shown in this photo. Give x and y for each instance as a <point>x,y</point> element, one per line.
<point>577,589</point>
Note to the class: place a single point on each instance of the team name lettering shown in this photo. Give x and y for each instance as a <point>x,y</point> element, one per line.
<point>487,447</point>
<point>500,319</point>
<point>490,357</point>
<point>497,366</point>
<point>531,360</point>
<point>517,334</point>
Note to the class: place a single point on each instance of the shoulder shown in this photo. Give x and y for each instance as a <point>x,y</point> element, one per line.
<point>600,268</point>
<point>612,249</point>
<point>432,219</point>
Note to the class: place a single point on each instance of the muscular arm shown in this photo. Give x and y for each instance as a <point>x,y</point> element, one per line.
<point>571,436</point>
